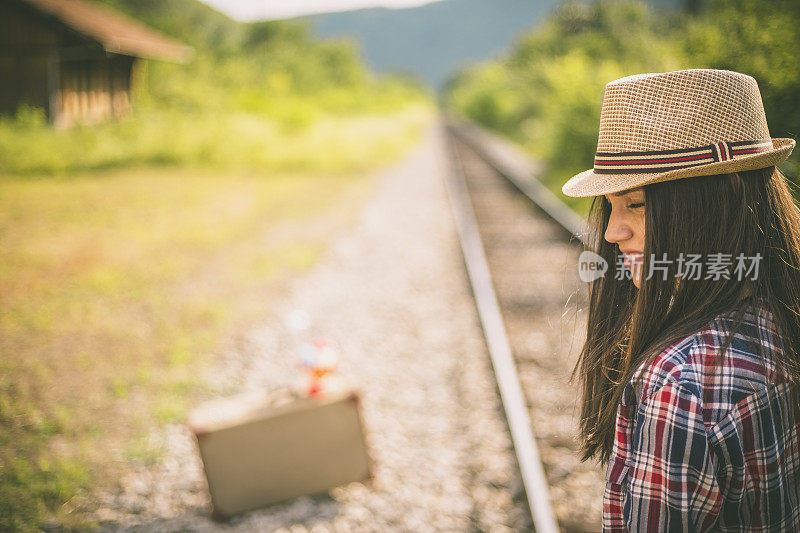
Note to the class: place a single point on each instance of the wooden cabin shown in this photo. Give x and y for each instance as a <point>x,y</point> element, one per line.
<point>74,58</point>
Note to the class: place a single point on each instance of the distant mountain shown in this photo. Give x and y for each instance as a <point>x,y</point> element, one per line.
<point>434,40</point>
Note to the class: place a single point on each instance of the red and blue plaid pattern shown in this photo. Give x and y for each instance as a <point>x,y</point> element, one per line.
<point>708,447</point>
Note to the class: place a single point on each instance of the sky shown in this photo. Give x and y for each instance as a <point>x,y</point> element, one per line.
<point>275,9</point>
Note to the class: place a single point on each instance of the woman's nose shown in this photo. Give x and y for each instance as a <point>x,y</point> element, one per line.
<point>617,230</point>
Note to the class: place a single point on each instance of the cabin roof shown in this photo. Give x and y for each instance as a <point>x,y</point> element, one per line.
<point>114,31</point>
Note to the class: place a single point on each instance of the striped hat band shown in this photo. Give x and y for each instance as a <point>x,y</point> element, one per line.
<point>666,160</point>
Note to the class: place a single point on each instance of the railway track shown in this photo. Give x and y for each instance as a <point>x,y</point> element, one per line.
<point>521,247</point>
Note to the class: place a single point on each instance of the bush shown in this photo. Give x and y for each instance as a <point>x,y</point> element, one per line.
<point>229,107</point>
<point>546,93</point>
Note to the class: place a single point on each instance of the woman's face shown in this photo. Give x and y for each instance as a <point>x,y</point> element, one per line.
<point>626,229</point>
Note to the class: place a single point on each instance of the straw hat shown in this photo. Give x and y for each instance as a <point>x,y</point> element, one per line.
<point>672,125</point>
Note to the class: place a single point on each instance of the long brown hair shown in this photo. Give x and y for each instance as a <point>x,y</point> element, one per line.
<point>747,213</point>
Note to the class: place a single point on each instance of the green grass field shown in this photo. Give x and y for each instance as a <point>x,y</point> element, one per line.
<point>117,284</point>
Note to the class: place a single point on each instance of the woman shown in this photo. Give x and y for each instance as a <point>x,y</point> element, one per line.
<point>691,365</point>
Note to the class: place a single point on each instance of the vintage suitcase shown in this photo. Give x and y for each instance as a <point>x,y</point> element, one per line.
<point>260,449</point>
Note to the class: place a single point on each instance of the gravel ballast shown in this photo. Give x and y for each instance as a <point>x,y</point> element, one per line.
<point>392,293</point>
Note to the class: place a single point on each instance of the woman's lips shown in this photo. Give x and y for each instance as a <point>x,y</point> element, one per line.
<point>633,260</point>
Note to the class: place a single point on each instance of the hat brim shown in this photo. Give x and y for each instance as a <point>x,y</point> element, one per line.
<point>590,184</point>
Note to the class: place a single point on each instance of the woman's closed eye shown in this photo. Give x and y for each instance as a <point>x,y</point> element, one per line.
<point>636,205</point>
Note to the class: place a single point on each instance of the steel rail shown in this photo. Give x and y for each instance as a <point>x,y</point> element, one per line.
<point>528,459</point>
<point>518,169</point>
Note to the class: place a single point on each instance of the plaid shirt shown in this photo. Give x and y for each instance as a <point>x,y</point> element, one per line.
<point>708,448</point>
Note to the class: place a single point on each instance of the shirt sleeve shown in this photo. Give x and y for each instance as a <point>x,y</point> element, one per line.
<point>671,480</point>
